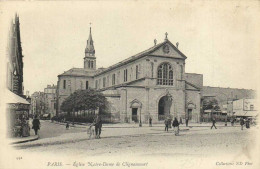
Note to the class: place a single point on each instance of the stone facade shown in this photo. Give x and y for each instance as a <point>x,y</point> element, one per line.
<point>152,83</point>
<point>50,100</point>
<point>38,103</point>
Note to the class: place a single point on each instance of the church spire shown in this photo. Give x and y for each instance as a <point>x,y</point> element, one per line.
<point>90,59</point>
<point>90,50</point>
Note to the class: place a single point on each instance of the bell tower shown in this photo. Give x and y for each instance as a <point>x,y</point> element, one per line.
<point>90,59</point>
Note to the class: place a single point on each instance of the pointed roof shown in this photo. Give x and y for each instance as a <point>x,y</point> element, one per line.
<point>90,44</point>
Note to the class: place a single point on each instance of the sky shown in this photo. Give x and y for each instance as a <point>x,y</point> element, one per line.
<point>220,39</point>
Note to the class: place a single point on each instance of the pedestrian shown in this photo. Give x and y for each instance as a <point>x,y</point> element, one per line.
<point>98,126</point>
<point>213,123</point>
<point>187,121</point>
<point>169,123</point>
<point>247,123</point>
<point>67,125</point>
<point>175,125</point>
<point>150,121</point>
<point>232,121</point>
<point>36,124</point>
<point>180,120</point>
<point>242,122</point>
<point>166,124</point>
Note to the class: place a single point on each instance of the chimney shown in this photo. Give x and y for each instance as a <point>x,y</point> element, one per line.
<point>177,44</point>
<point>27,94</point>
<point>155,41</point>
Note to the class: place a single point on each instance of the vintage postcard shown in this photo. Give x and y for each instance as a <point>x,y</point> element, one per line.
<point>129,84</point>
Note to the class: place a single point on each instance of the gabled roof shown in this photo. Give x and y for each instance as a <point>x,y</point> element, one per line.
<point>141,54</point>
<point>78,72</point>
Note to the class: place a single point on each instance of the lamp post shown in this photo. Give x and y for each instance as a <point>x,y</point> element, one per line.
<point>140,123</point>
<point>212,110</point>
<point>227,108</point>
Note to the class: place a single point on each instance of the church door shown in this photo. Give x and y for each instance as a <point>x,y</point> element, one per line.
<point>164,106</point>
<point>134,114</point>
<point>190,114</point>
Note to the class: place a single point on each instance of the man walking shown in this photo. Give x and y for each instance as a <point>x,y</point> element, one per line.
<point>98,126</point>
<point>150,121</point>
<point>242,122</point>
<point>213,123</point>
<point>187,121</point>
<point>36,124</point>
<point>232,121</point>
<point>166,124</point>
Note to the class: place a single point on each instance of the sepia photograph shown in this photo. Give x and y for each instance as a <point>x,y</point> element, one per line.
<point>129,84</point>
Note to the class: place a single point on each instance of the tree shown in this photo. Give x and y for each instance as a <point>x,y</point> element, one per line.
<point>84,100</point>
<point>210,104</point>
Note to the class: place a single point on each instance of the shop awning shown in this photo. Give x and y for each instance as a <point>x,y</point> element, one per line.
<point>246,113</point>
<point>45,115</point>
<point>12,98</point>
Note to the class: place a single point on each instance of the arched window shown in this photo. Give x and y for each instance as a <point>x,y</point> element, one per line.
<point>165,74</point>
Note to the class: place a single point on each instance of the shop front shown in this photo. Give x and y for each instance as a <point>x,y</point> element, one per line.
<point>17,116</point>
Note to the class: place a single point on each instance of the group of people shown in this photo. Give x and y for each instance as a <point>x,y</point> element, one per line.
<point>244,122</point>
<point>175,124</point>
<point>97,124</point>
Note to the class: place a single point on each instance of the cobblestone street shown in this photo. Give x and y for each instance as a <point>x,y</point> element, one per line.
<point>195,141</point>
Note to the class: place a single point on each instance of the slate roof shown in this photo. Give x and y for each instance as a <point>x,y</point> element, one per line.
<point>191,86</point>
<point>78,72</point>
<point>141,54</point>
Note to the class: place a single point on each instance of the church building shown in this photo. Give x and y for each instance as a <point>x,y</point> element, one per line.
<point>151,84</point>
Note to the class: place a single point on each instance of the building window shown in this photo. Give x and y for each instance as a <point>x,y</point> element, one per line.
<point>113,79</point>
<point>251,107</point>
<point>64,84</point>
<point>136,71</point>
<point>152,69</point>
<point>125,75</point>
<point>88,64</point>
<point>92,64</point>
<point>118,77</point>
<point>107,81</point>
<point>96,84</point>
<point>165,74</point>
<point>86,84</point>
<point>181,72</point>
<point>104,81</point>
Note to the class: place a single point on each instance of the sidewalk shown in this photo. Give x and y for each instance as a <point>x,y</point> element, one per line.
<point>118,132</point>
<point>18,140</point>
<point>136,125</point>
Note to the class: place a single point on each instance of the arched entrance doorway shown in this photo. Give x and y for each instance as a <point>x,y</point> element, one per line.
<point>136,107</point>
<point>164,106</point>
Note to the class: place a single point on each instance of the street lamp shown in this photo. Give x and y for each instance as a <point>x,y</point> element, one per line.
<point>227,108</point>
<point>140,123</point>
